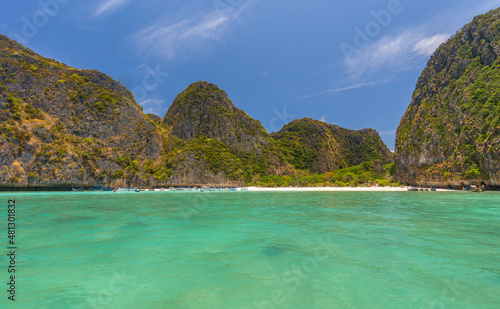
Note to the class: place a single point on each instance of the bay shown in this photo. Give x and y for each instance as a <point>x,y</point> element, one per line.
<point>255,250</point>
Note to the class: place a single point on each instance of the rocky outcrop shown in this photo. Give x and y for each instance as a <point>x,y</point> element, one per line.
<point>450,133</point>
<point>222,138</point>
<point>321,147</point>
<point>203,109</point>
<point>63,126</point>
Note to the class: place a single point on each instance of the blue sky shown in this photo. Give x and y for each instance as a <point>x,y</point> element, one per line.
<point>354,63</point>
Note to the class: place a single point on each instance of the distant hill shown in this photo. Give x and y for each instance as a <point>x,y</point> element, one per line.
<point>320,147</point>
<point>450,133</point>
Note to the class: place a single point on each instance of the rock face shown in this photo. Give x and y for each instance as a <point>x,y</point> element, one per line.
<point>203,109</point>
<point>63,126</point>
<point>321,147</point>
<point>220,138</point>
<point>450,133</point>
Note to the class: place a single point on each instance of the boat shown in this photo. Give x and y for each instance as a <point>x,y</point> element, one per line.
<point>129,190</point>
<point>476,189</point>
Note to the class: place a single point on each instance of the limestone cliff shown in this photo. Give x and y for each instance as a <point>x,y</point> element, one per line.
<point>450,133</point>
<point>64,126</point>
<point>231,146</point>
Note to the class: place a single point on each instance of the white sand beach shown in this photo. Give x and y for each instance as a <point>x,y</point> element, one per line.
<point>340,189</point>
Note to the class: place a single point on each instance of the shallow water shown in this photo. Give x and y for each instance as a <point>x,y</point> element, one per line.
<point>255,250</point>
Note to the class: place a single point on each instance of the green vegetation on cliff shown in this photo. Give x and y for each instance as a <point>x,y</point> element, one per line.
<point>61,125</point>
<point>320,147</point>
<point>221,138</point>
<point>451,130</point>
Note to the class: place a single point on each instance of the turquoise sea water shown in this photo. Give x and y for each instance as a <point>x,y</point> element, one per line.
<point>254,250</point>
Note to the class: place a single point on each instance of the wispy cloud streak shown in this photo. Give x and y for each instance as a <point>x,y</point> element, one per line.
<point>170,39</point>
<point>392,55</point>
<point>427,46</point>
<point>154,106</point>
<point>108,6</point>
<point>336,90</point>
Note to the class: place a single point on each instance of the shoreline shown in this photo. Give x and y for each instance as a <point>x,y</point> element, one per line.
<point>250,189</point>
<point>338,189</point>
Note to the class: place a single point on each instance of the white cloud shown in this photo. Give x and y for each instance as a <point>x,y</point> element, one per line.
<point>265,73</point>
<point>170,39</point>
<point>427,46</point>
<point>109,6</point>
<point>382,60</point>
<point>152,106</point>
<point>392,55</point>
<point>335,90</point>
